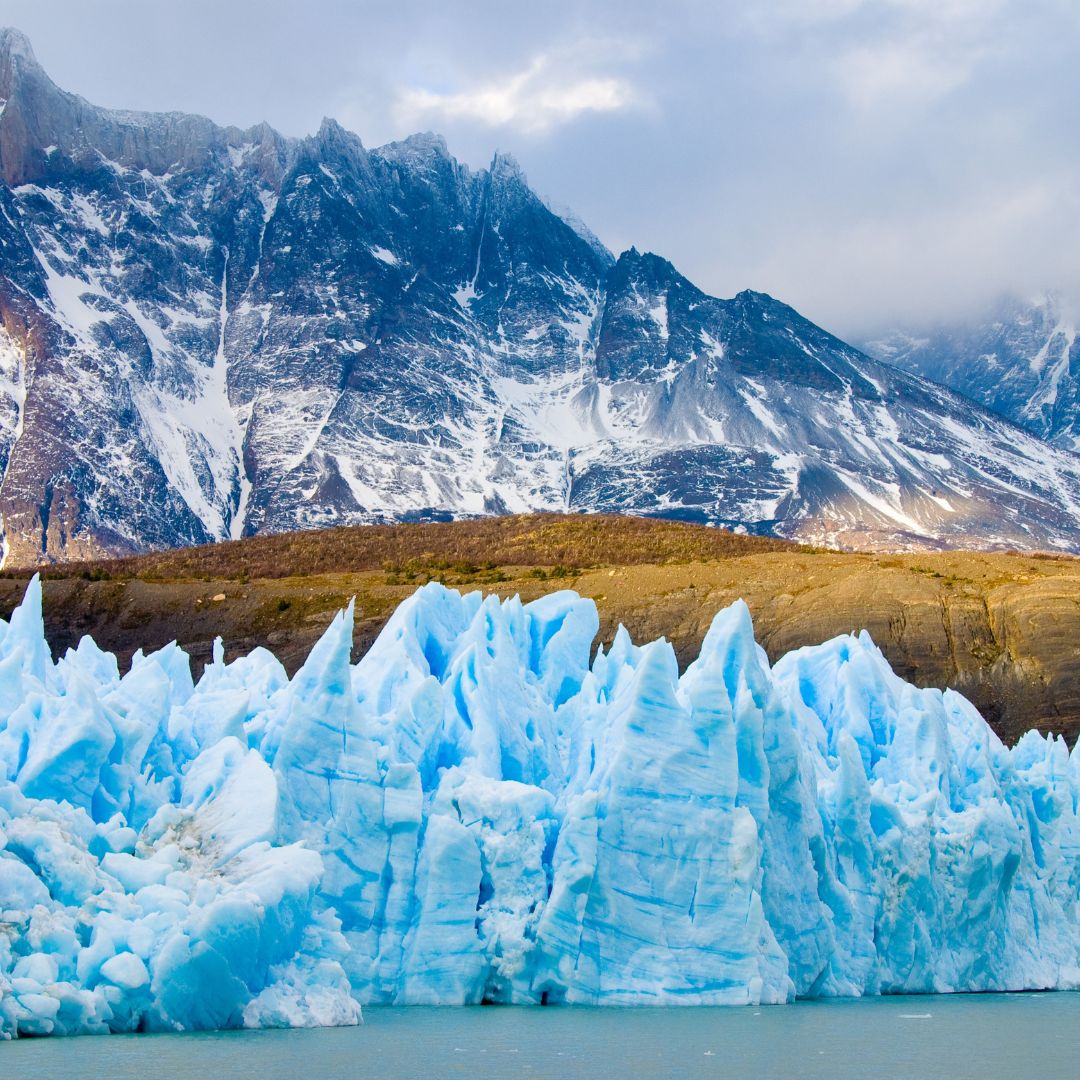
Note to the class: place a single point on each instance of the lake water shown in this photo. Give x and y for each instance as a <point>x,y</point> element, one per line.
<point>1012,1036</point>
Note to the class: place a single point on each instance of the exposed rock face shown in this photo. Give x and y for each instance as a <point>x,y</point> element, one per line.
<point>209,333</point>
<point>1022,361</point>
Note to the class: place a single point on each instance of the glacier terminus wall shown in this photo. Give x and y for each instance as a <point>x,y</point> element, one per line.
<point>485,809</point>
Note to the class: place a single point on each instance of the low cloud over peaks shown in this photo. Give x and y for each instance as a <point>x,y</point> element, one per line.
<point>544,95</point>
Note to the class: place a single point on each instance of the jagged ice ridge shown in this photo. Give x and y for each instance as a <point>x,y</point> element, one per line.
<point>481,809</point>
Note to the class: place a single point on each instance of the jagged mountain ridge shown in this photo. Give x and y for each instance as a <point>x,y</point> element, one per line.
<point>210,332</point>
<point>1021,359</point>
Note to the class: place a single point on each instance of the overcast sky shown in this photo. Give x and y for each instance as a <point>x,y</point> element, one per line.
<point>868,161</point>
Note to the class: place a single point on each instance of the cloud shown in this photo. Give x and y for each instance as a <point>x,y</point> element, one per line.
<point>912,72</point>
<point>936,263</point>
<point>880,13</point>
<point>887,54</point>
<point>543,96</point>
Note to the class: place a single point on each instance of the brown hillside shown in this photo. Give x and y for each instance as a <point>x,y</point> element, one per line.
<point>569,540</point>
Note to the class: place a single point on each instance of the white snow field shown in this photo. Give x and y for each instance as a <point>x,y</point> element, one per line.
<point>483,810</point>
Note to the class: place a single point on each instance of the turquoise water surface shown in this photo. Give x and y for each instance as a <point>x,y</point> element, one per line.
<point>1014,1036</point>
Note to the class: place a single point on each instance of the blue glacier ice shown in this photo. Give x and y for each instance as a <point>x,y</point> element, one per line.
<point>484,809</point>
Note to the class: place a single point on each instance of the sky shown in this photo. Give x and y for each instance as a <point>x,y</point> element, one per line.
<point>871,162</point>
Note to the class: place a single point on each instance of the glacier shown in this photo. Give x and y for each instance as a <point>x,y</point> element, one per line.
<point>484,808</point>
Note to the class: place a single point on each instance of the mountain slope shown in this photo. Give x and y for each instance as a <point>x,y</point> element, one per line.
<point>1021,360</point>
<point>209,333</point>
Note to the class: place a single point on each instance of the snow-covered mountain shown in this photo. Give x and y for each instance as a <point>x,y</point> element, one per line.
<point>1021,360</point>
<point>210,332</point>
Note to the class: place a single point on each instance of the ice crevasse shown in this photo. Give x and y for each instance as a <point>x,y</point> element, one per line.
<point>484,809</point>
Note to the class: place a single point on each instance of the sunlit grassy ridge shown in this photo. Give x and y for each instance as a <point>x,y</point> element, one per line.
<point>462,547</point>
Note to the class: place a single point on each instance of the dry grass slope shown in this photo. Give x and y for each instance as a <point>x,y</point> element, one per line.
<point>570,541</point>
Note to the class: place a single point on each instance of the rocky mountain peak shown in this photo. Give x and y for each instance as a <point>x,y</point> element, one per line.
<point>33,109</point>
<point>646,269</point>
<point>332,137</point>
<point>16,58</point>
<point>421,152</point>
<point>505,168</point>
